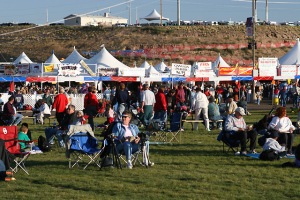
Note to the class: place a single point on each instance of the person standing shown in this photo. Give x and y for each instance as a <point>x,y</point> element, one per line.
<point>160,107</point>
<point>201,106</point>
<point>91,106</point>
<point>60,103</point>
<point>122,99</point>
<point>148,101</point>
<point>47,97</point>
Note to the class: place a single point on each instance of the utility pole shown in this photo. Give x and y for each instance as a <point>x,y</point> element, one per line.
<point>129,7</point>
<point>267,11</point>
<point>178,12</point>
<point>161,12</point>
<point>253,43</point>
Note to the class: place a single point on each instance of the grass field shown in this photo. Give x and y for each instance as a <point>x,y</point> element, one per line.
<point>194,169</point>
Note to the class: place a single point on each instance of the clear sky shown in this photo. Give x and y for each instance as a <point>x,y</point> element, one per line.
<point>35,11</point>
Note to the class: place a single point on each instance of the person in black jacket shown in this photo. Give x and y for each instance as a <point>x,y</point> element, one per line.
<point>123,100</point>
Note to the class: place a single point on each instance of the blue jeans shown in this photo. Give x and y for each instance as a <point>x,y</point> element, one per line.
<point>51,133</point>
<point>129,148</point>
<point>17,118</point>
<point>161,116</point>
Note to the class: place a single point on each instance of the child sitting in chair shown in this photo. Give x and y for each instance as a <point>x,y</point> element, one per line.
<point>81,118</point>
<point>24,138</point>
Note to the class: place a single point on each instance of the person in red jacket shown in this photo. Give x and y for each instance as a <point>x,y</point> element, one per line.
<point>60,103</point>
<point>160,107</point>
<point>91,105</point>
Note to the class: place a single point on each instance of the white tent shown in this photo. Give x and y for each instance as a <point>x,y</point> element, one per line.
<point>74,57</point>
<point>220,62</point>
<point>104,59</point>
<point>145,65</point>
<point>53,59</point>
<point>162,67</point>
<point>23,59</point>
<point>292,57</point>
<point>151,71</point>
<point>154,15</point>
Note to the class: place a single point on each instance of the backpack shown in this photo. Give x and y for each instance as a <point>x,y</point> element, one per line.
<point>269,155</point>
<point>43,145</point>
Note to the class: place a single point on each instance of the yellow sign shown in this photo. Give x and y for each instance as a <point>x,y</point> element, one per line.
<point>49,68</point>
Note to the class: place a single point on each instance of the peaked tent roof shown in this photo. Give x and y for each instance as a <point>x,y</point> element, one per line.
<point>220,62</point>
<point>292,57</point>
<point>154,15</point>
<point>145,65</point>
<point>104,59</point>
<point>23,58</point>
<point>53,60</point>
<point>161,67</point>
<point>74,57</point>
<point>151,71</point>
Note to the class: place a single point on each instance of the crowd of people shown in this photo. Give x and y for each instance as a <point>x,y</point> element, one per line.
<point>225,102</point>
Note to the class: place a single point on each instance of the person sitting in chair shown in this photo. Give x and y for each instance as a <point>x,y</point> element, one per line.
<point>10,115</point>
<point>42,111</point>
<point>127,137</point>
<point>68,119</point>
<point>283,125</point>
<point>236,128</point>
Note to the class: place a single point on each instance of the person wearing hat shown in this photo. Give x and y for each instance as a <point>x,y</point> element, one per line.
<point>148,101</point>
<point>231,106</point>
<point>236,128</point>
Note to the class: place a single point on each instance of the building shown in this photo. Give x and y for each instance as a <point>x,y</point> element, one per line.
<point>93,20</point>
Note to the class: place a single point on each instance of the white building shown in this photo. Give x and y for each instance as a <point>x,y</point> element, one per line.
<point>93,20</point>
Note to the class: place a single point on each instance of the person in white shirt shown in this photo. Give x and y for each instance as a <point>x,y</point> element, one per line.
<point>201,106</point>
<point>148,101</point>
<point>43,111</point>
<point>271,143</point>
<point>283,125</point>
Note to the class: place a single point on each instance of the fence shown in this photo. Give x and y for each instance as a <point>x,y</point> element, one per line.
<point>31,99</point>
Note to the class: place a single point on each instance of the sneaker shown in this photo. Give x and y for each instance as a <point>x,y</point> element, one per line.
<point>237,153</point>
<point>182,129</point>
<point>243,153</point>
<point>150,164</point>
<point>220,128</point>
<point>129,164</point>
<point>207,129</point>
<point>253,152</point>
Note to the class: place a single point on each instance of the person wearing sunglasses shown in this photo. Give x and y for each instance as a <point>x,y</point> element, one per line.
<point>127,138</point>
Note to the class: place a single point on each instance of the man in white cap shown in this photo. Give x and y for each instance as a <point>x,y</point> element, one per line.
<point>236,129</point>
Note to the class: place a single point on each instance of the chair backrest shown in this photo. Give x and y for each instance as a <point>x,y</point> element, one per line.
<point>10,135</point>
<point>175,121</point>
<point>83,142</point>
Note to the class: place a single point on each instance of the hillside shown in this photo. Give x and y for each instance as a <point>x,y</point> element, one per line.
<point>183,44</point>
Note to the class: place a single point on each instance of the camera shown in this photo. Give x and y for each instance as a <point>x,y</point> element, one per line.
<point>144,136</point>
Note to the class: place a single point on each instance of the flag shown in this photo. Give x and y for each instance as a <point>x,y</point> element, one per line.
<point>49,68</point>
<point>238,84</point>
<point>236,69</point>
<point>12,86</point>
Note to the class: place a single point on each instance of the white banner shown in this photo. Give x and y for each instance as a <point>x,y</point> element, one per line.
<point>289,70</point>
<point>205,73</point>
<point>181,69</point>
<point>133,72</point>
<point>22,69</point>
<point>202,65</point>
<point>267,71</point>
<point>36,68</point>
<point>69,70</point>
<point>267,62</point>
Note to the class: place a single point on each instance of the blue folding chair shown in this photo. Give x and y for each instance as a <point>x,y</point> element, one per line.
<point>82,144</point>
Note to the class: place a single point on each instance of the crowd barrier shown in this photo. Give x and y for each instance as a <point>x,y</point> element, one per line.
<point>31,99</point>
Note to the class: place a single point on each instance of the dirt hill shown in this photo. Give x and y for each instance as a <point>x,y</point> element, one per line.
<point>184,44</point>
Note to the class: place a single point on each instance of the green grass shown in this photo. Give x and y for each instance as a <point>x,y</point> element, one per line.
<point>194,169</point>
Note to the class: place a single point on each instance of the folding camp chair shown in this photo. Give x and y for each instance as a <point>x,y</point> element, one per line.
<point>175,126</point>
<point>83,144</point>
<point>10,135</point>
<point>228,142</point>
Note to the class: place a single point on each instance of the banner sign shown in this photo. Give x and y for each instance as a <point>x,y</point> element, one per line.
<point>22,69</point>
<point>205,73</point>
<point>9,70</point>
<point>69,70</point>
<point>133,72</point>
<point>36,68</point>
<point>181,69</point>
<point>235,71</point>
<point>107,71</point>
<point>202,66</point>
<point>87,68</point>
<point>249,26</point>
<point>289,70</point>
<point>267,66</point>
<point>49,68</point>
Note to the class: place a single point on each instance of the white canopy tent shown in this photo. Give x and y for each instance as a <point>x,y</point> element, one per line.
<point>53,60</point>
<point>105,60</point>
<point>23,59</point>
<point>292,57</point>
<point>220,62</point>
<point>162,67</point>
<point>154,15</point>
<point>151,71</point>
<point>74,57</point>
<point>145,65</point>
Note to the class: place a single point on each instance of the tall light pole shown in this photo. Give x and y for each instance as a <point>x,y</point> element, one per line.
<point>267,11</point>
<point>178,12</point>
<point>253,43</point>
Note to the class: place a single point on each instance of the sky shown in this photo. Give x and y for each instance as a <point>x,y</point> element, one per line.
<point>35,11</point>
